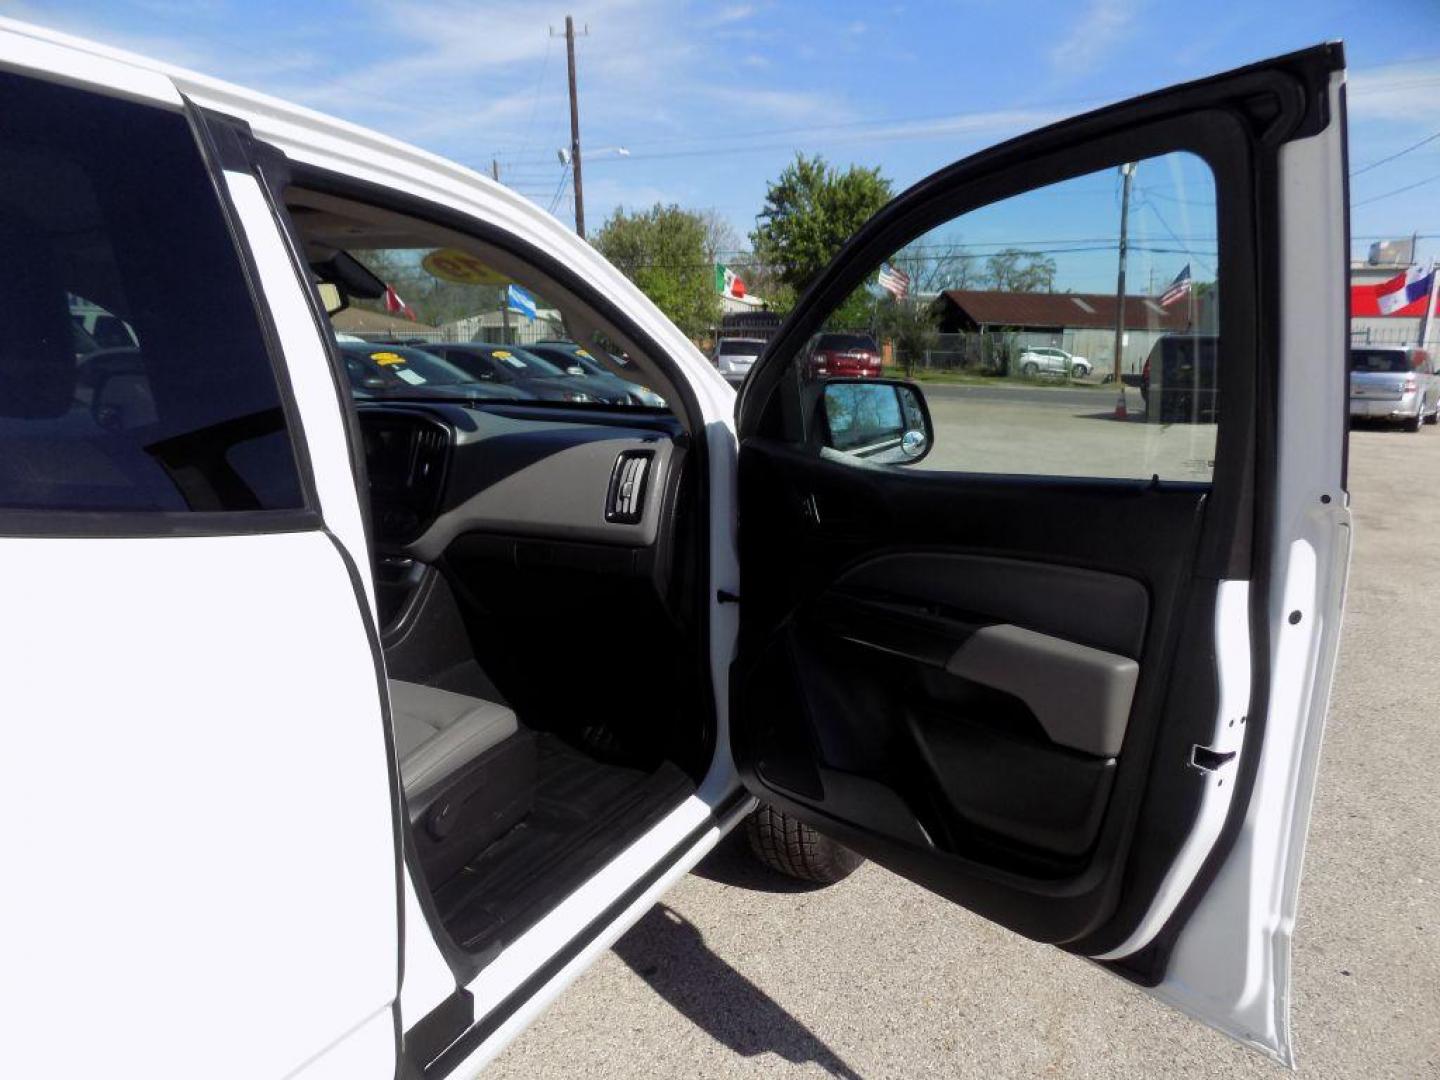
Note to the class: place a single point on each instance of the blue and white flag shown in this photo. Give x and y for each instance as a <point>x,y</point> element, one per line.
<point>1404,289</point>
<point>520,301</point>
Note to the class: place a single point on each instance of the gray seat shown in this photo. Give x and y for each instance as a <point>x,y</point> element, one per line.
<point>469,773</point>
<point>438,733</point>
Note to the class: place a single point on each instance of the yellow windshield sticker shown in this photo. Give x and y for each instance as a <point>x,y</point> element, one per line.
<point>582,352</point>
<point>501,354</point>
<point>387,358</point>
<point>461,268</point>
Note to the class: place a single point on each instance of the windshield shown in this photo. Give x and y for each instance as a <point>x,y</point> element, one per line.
<point>1381,361</point>
<point>474,317</point>
<point>518,363</point>
<point>849,342</point>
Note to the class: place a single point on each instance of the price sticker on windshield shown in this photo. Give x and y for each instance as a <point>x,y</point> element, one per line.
<point>385,359</point>
<point>460,268</point>
<point>509,358</point>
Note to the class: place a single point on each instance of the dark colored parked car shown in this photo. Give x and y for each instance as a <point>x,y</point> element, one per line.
<point>380,371</point>
<point>575,359</point>
<point>1178,381</point>
<point>510,365</point>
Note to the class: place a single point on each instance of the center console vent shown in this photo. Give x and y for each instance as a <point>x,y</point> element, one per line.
<point>625,501</point>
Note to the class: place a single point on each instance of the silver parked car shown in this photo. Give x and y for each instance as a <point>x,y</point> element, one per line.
<point>1042,360</point>
<point>1396,383</point>
<point>734,356</point>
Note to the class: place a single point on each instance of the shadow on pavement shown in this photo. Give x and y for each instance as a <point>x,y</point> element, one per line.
<point>1135,416</point>
<point>732,863</point>
<point>670,954</point>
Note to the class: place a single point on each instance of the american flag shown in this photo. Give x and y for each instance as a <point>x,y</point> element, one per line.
<point>1179,288</point>
<point>895,282</point>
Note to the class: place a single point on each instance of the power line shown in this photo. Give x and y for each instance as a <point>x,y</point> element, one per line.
<point>1397,191</point>
<point>1398,153</point>
<point>708,144</point>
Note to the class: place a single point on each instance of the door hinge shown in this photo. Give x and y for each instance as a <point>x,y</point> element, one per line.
<point>724,596</point>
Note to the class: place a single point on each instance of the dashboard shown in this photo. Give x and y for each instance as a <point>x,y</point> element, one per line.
<point>590,489</point>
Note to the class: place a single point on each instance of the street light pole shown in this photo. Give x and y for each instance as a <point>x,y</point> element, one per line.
<point>1127,171</point>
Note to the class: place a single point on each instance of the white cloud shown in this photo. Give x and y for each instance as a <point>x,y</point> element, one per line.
<point>732,14</point>
<point>1395,92</point>
<point>1102,26</point>
<point>783,105</point>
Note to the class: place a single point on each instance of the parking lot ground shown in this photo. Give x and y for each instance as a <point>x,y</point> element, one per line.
<point>741,974</point>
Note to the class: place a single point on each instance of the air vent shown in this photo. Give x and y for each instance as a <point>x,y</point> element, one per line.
<point>625,501</point>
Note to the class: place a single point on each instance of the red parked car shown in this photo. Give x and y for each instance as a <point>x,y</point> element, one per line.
<point>846,355</point>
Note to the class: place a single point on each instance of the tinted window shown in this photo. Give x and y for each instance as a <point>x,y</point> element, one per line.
<point>1379,360</point>
<point>742,348</point>
<point>133,374</point>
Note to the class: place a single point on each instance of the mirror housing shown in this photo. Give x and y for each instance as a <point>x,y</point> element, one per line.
<point>883,421</point>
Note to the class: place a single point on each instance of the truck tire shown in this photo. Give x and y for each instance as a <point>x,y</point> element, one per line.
<point>791,847</point>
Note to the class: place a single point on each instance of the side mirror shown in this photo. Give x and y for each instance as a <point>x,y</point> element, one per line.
<point>884,421</point>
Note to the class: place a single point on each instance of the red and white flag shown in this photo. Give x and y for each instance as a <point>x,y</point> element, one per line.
<point>395,305</point>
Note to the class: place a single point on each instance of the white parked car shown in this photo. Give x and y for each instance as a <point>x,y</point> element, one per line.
<point>734,356</point>
<point>300,786</point>
<point>1042,360</point>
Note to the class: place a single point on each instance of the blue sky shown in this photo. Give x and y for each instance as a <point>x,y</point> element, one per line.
<point>711,100</point>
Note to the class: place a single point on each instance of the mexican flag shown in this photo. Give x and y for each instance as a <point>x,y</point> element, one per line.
<point>727,282</point>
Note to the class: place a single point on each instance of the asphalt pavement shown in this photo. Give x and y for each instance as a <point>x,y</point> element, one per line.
<point>1040,392</point>
<point>744,974</point>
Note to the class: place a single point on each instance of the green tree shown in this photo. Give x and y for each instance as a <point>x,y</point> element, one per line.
<point>912,324</point>
<point>668,253</point>
<point>1014,270</point>
<point>810,211</point>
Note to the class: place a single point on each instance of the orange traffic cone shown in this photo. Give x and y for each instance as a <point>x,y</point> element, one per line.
<point>1120,413</point>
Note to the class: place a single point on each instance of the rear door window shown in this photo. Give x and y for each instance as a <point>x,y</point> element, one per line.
<point>1379,361</point>
<point>134,376</point>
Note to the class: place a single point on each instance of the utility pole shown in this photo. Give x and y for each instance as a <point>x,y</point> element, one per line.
<point>575,124</point>
<point>495,169</point>
<point>1127,171</point>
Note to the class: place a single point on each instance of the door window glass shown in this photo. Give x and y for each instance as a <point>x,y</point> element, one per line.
<point>1071,330</point>
<point>133,374</point>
